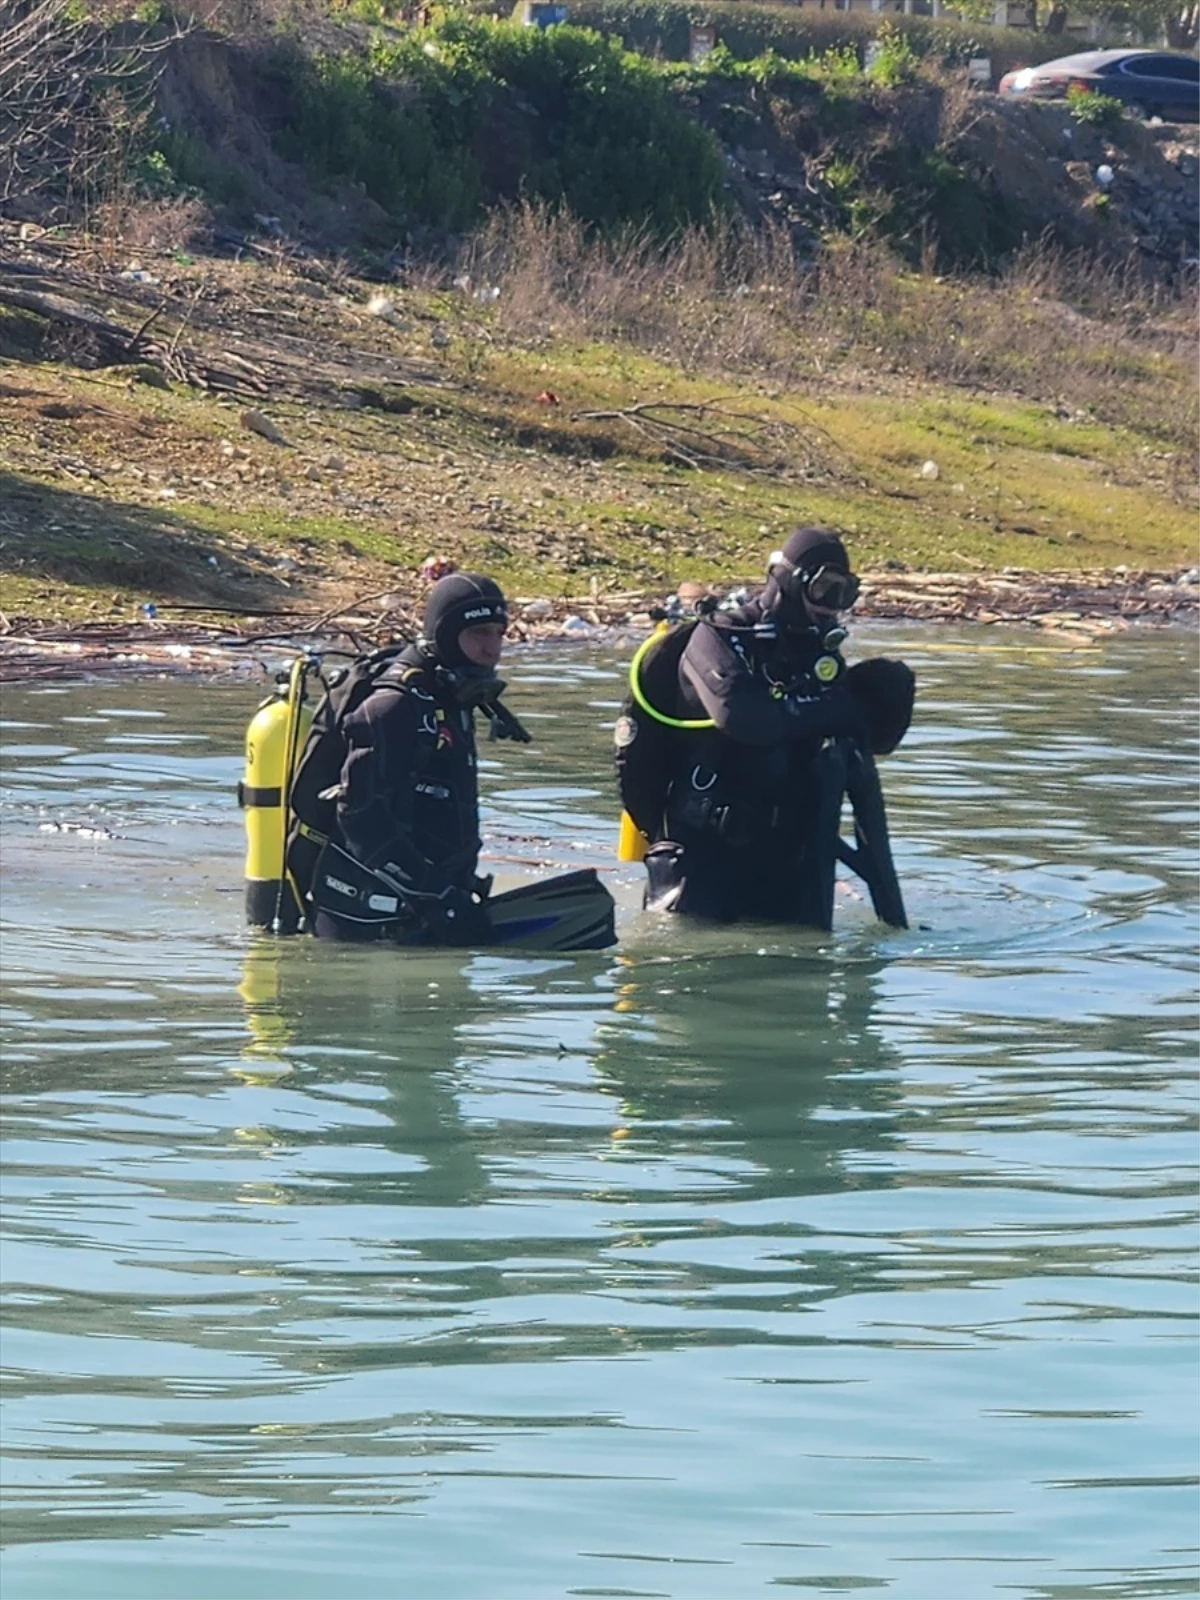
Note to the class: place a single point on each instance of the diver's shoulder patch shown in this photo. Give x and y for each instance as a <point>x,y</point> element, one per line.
<point>625,732</point>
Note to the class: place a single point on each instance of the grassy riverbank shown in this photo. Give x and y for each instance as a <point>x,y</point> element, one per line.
<point>898,307</point>
<point>576,422</point>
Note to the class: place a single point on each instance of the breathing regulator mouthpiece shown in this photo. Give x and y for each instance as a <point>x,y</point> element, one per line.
<point>473,688</point>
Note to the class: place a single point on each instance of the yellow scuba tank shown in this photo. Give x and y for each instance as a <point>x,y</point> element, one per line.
<point>632,843</point>
<point>273,740</point>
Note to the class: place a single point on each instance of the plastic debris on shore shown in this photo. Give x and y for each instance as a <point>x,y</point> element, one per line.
<point>77,829</point>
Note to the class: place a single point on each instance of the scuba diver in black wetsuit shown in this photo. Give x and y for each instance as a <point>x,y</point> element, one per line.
<point>382,804</point>
<point>408,795</point>
<point>758,693</point>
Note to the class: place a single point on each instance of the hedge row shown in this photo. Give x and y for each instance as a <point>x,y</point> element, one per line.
<point>662,28</point>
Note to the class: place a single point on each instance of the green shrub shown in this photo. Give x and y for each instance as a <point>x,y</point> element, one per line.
<point>439,121</point>
<point>836,70</point>
<point>894,61</point>
<point>840,177</point>
<point>178,165</point>
<point>1095,109</point>
<point>346,120</point>
<point>838,64</point>
<point>961,209</point>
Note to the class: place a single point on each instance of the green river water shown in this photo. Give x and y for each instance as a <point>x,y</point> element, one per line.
<point>723,1263</point>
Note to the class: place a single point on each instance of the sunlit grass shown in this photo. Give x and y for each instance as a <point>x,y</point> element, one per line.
<point>943,425</point>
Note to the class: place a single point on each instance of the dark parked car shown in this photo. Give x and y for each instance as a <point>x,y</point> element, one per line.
<point>1150,83</point>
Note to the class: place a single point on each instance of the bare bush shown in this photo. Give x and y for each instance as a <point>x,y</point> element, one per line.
<point>1095,337</point>
<point>708,300</point>
<point>177,223</point>
<point>76,89</point>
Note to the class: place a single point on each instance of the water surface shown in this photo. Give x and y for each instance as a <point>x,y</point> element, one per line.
<point>724,1261</point>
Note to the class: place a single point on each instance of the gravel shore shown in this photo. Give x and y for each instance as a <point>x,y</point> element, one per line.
<point>1068,603</point>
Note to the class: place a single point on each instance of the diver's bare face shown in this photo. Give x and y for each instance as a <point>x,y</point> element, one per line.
<point>482,645</point>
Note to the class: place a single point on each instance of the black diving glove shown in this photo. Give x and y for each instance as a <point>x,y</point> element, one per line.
<point>418,878</point>
<point>454,917</point>
<point>885,690</point>
<point>503,725</point>
<point>835,714</point>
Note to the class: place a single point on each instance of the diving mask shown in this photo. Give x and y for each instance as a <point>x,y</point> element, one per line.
<point>830,589</point>
<point>825,588</point>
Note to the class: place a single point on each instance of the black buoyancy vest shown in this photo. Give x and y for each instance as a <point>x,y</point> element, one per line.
<point>312,818</point>
<point>650,749</point>
<point>319,767</point>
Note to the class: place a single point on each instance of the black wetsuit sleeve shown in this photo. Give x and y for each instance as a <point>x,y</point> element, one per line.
<point>741,705</point>
<point>375,807</point>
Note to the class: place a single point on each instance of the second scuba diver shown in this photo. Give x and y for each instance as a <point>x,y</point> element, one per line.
<point>729,801</point>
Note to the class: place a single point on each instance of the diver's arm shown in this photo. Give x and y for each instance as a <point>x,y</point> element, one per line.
<point>742,707</point>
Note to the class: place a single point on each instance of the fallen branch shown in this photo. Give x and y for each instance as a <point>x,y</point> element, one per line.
<point>115,345</point>
<point>353,605</point>
<point>54,308</point>
<point>734,438</point>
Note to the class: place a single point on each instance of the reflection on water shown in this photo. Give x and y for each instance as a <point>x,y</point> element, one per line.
<point>722,1261</point>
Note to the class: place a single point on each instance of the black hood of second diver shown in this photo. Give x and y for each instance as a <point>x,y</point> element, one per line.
<point>804,551</point>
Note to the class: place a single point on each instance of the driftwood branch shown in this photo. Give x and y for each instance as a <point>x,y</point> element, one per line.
<point>388,596</point>
<point>710,434</point>
<point>136,337</point>
<point>111,344</point>
<point>55,308</point>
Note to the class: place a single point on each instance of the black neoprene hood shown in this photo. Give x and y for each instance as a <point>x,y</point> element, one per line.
<point>461,600</point>
<point>804,551</point>
<point>810,548</point>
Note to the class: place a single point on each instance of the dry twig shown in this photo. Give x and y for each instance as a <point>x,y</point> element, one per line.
<point>727,439</point>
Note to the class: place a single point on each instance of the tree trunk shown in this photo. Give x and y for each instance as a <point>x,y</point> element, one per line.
<point>1182,29</point>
